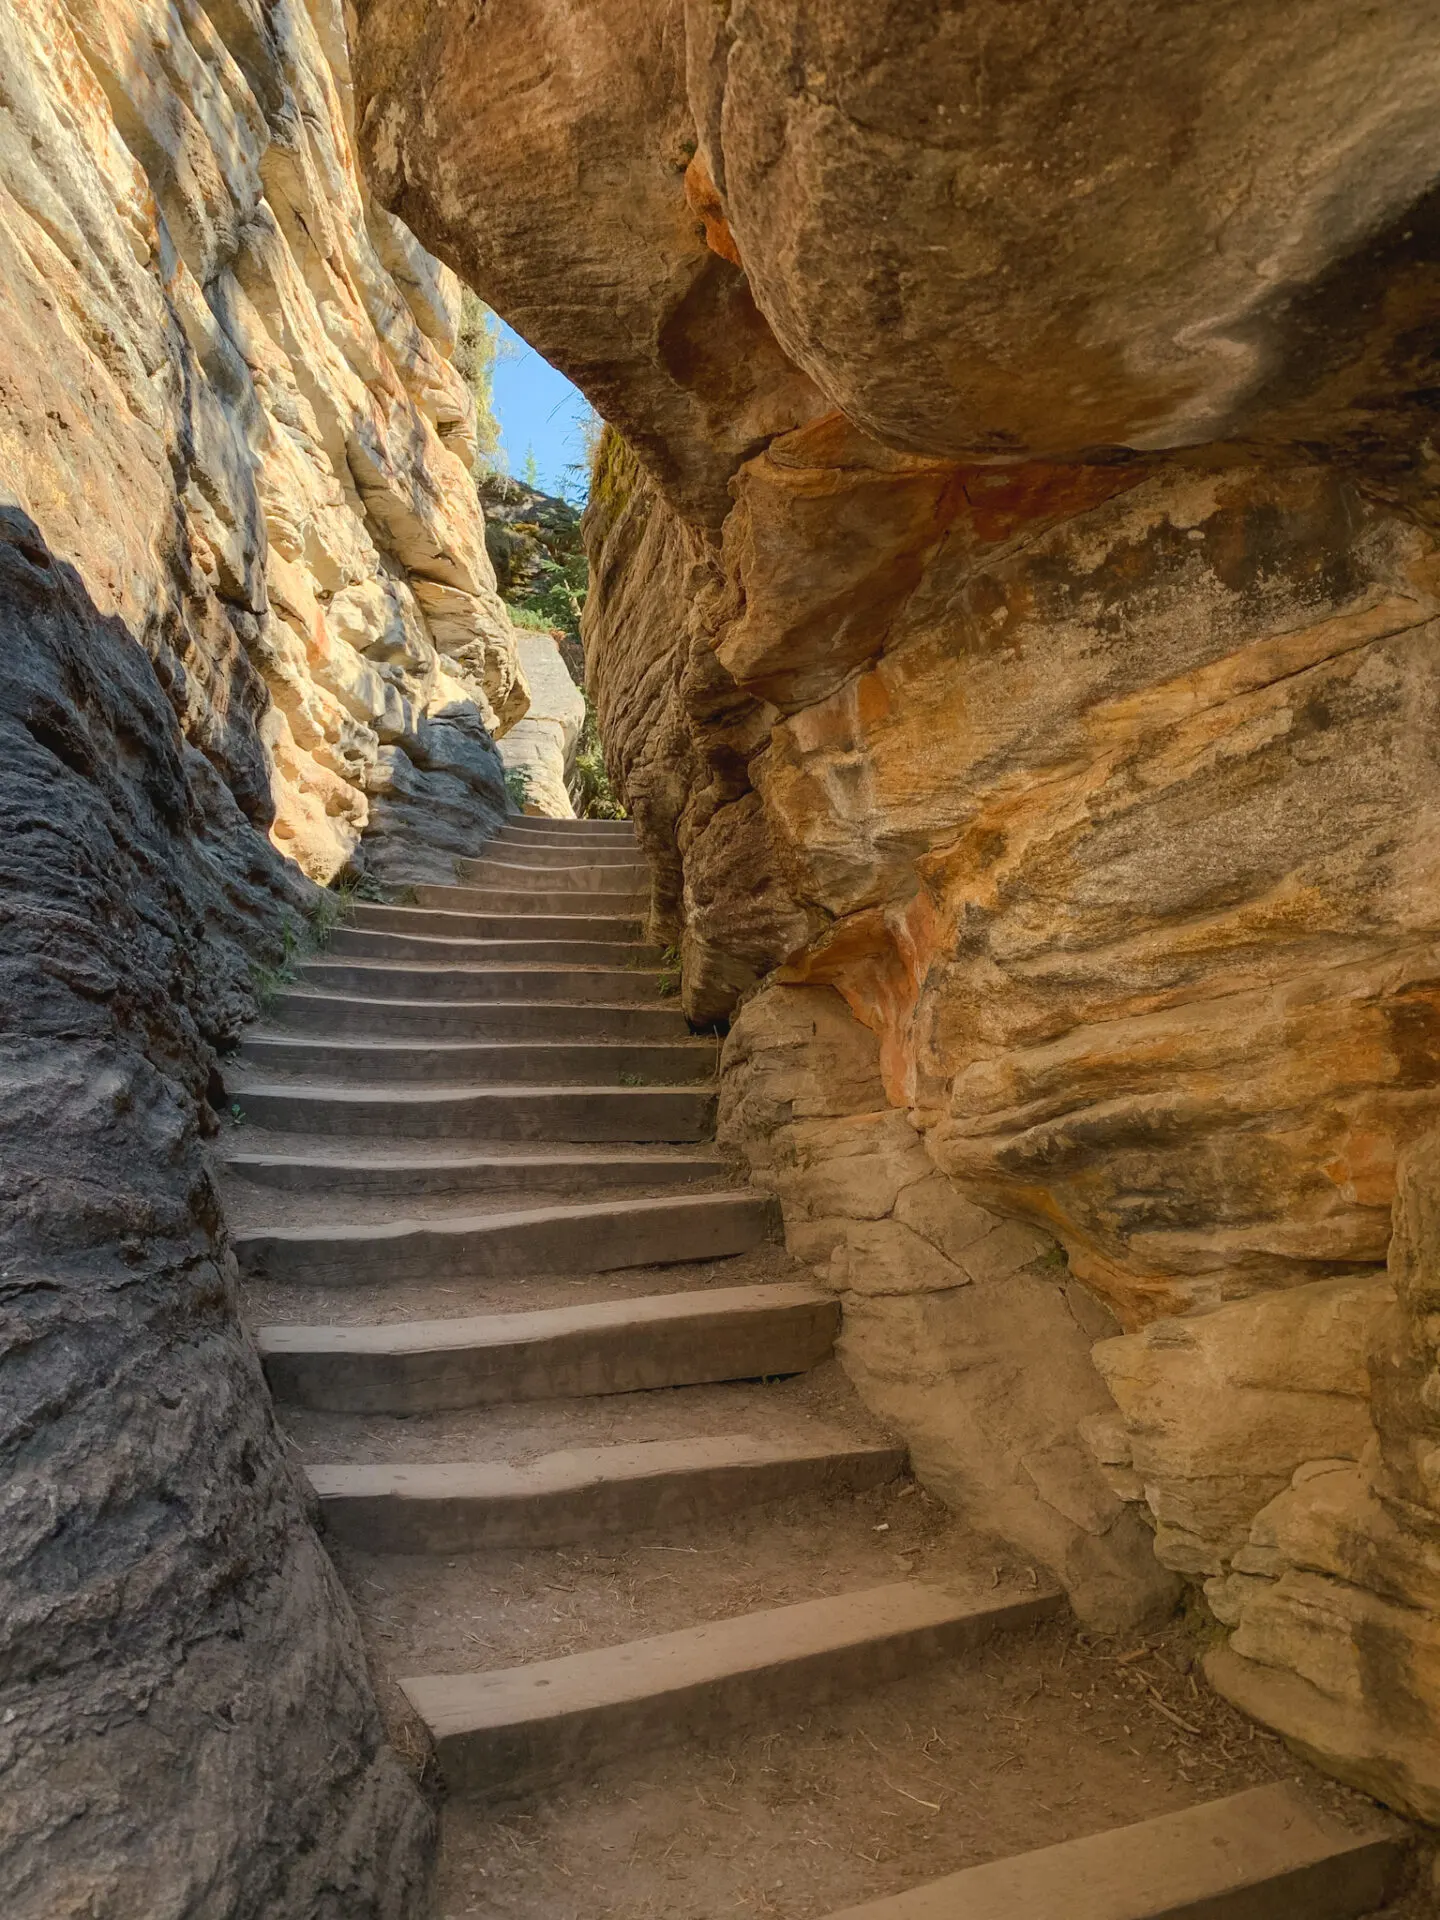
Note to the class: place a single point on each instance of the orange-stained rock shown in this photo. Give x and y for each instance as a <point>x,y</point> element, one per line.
<point>1013,609</point>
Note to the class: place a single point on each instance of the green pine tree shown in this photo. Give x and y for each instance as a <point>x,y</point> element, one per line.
<point>531,470</point>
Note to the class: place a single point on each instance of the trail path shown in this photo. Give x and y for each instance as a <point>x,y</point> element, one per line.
<point>689,1640</point>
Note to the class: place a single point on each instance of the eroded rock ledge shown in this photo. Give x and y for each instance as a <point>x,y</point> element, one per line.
<point>248,614</point>
<point>1013,625</point>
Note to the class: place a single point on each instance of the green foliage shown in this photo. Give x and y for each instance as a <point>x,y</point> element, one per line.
<point>557,594</point>
<point>668,984</point>
<point>517,786</point>
<point>478,346</point>
<point>591,794</point>
<point>530,472</point>
<point>614,471</point>
<point>528,618</point>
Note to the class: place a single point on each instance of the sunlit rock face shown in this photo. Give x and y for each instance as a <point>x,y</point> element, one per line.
<point>220,348</point>
<point>248,614</point>
<point>541,747</point>
<point>1014,620</point>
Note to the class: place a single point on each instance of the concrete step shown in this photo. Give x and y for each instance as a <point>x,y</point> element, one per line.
<point>523,824</point>
<point>609,1346</point>
<point>1261,1855</point>
<point>386,1175</point>
<point>526,900</point>
<point>573,921</point>
<point>586,1493</point>
<point>359,943</point>
<point>415,980</point>
<point>470,1063</point>
<point>507,1731</point>
<point>609,864</point>
<point>304,1011</point>
<point>583,1237</point>
<point>636,1114</point>
<point>534,874</point>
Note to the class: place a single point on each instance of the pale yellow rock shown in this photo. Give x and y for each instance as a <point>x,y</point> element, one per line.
<point>542,745</point>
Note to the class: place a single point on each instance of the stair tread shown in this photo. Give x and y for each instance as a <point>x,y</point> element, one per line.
<point>516,1219</point>
<point>1208,1860</point>
<point>577,1493</point>
<point>672,1664</point>
<point>568,1468</point>
<point>526,1326</point>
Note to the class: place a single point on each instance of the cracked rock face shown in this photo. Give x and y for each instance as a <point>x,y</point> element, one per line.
<point>248,613</point>
<point>1013,626</point>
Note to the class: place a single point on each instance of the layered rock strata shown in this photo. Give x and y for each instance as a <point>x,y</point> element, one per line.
<point>248,613</point>
<point>1013,629</point>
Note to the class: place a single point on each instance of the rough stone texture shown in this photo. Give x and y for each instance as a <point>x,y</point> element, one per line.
<point>1014,607</point>
<point>946,1305</point>
<point>247,610</point>
<point>1333,1593</point>
<point>214,335</point>
<point>543,744</point>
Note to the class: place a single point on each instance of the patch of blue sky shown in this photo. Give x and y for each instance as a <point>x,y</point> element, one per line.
<point>541,414</point>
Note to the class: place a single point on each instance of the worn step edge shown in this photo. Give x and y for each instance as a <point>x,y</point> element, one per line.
<point>605,1346</point>
<point>1259,1855</point>
<point>509,1730</point>
<point>358,1173</point>
<point>586,1493</point>
<point>365,1060</point>
<point>579,1115</point>
<point>583,1237</point>
<point>311,1011</point>
<point>375,943</point>
<point>630,986</point>
<point>568,921</point>
<point>527,901</point>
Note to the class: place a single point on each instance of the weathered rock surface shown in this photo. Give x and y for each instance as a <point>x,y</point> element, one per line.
<point>961,1328</point>
<point>542,745</point>
<point>1014,608</point>
<point>248,611</point>
<point>217,339</point>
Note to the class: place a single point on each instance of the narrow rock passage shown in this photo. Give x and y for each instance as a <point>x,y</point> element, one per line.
<point>688,1639</point>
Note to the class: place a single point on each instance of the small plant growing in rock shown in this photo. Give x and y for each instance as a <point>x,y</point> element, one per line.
<point>517,787</point>
<point>668,984</point>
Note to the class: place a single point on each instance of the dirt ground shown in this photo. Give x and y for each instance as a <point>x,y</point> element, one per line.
<point>1042,1735</point>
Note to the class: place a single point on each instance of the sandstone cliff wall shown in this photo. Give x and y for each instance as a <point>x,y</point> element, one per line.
<point>248,614</point>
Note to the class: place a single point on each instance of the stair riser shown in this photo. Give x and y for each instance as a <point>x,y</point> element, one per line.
<point>637,1115</point>
<point>538,854</point>
<point>403,1524</point>
<point>512,1760</point>
<point>626,1359</point>
<point>595,1244</point>
<point>298,1013</point>
<point>521,826</point>
<point>550,877</point>
<point>527,901</point>
<point>496,1064</point>
<point>571,923</point>
<point>352,943</point>
<point>479,986</point>
<point>504,1174</point>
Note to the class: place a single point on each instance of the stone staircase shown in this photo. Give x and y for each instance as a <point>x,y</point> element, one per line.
<point>481,1102</point>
